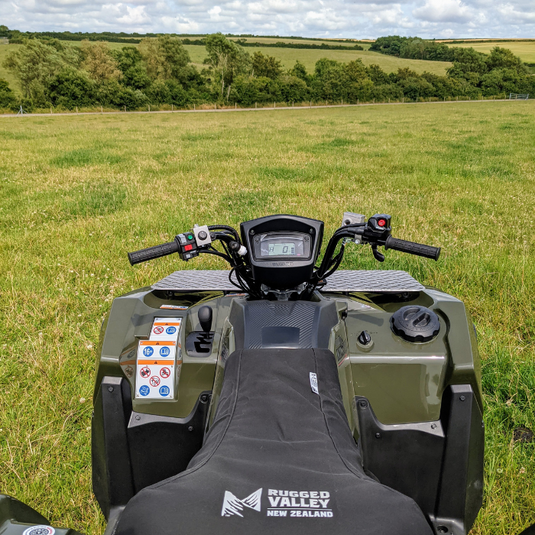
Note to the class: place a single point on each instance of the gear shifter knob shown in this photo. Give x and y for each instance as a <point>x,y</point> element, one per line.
<point>205,318</point>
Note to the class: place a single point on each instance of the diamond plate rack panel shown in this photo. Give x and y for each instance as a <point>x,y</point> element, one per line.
<point>341,281</point>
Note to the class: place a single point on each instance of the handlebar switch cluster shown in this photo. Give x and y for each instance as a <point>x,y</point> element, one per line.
<point>187,246</point>
<point>202,235</point>
<point>377,229</point>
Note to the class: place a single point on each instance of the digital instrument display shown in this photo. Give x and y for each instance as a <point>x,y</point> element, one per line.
<point>295,245</point>
<point>282,249</point>
<point>277,249</point>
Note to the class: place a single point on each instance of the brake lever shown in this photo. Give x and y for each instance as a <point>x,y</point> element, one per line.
<point>380,257</point>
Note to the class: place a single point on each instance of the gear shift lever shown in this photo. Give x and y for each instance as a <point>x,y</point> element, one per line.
<point>205,318</point>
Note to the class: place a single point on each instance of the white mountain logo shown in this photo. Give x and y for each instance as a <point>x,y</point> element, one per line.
<point>234,506</point>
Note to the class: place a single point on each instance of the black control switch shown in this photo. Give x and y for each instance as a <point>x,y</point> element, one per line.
<point>364,338</point>
<point>205,318</point>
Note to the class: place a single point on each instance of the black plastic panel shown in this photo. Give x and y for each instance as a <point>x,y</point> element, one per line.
<point>438,464</point>
<point>161,447</point>
<point>283,324</point>
<point>131,450</point>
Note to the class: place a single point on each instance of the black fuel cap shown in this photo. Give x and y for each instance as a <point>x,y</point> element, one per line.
<point>415,323</point>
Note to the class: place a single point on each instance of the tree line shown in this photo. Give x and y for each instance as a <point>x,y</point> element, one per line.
<point>279,44</point>
<point>159,71</point>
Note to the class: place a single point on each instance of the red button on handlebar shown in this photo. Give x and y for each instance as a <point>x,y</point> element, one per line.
<point>188,247</point>
<point>381,222</point>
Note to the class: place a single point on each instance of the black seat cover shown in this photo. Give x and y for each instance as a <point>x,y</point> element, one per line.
<point>278,459</point>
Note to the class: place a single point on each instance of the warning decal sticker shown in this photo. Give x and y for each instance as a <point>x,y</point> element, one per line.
<point>165,329</point>
<point>159,360</point>
<point>39,530</point>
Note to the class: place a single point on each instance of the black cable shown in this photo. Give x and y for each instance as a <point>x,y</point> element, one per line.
<point>226,227</point>
<point>216,253</point>
<point>231,281</point>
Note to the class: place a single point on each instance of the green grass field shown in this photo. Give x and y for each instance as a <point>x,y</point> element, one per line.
<point>287,56</point>
<point>308,57</point>
<point>77,193</point>
<point>525,50</point>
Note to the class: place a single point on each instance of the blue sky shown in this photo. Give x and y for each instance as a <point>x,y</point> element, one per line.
<point>313,18</point>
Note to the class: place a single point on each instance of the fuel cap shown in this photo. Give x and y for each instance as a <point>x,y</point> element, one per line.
<point>415,323</point>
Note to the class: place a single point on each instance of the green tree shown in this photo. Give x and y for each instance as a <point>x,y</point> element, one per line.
<point>35,63</point>
<point>164,57</point>
<point>293,89</point>
<point>7,98</point>
<point>227,60</point>
<point>98,61</point>
<point>127,57</point>
<point>358,85</point>
<point>328,80</point>
<point>266,66</point>
<point>70,88</point>
<point>377,75</point>
<point>300,71</point>
<point>503,58</point>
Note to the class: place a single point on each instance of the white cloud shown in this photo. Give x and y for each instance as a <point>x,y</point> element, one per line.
<point>314,18</point>
<point>444,11</point>
<point>134,15</point>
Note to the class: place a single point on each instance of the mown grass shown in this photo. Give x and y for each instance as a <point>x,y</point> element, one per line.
<point>77,193</point>
<point>525,50</point>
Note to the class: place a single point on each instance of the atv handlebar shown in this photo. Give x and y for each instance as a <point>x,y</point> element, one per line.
<point>143,255</point>
<point>427,251</point>
<point>375,232</point>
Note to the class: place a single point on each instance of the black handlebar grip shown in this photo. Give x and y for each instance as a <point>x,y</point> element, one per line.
<point>152,252</point>
<point>428,251</point>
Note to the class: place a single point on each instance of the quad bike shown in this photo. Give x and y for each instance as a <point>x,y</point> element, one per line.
<point>284,396</point>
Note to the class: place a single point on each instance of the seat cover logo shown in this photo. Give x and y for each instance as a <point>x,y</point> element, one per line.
<point>234,506</point>
<point>282,503</point>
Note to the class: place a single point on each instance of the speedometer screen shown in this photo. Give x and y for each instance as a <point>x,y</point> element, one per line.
<point>294,245</point>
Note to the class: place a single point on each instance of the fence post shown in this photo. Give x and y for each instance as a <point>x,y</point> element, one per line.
<point>235,105</point>
<point>125,109</point>
<point>310,104</point>
<point>101,109</point>
<point>50,111</point>
<point>273,104</point>
<point>357,102</point>
<point>193,107</point>
<point>76,109</point>
<point>403,100</point>
<point>255,105</point>
<point>172,108</point>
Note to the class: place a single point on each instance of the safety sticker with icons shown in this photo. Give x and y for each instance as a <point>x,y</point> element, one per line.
<point>165,329</point>
<point>155,370</point>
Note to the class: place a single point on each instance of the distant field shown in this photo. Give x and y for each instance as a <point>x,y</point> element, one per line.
<point>287,56</point>
<point>296,41</point>
<point>308,57</point>
<point>525,50</point>
<point>77,193</point>
<point>303,41</point>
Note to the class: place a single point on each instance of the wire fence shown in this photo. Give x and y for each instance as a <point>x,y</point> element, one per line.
<point>217,107</point>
